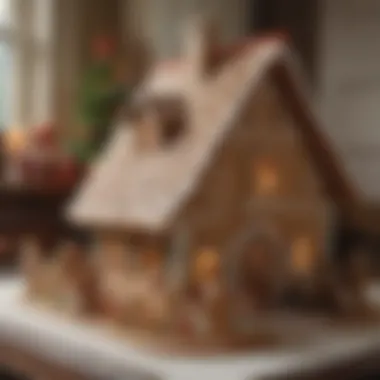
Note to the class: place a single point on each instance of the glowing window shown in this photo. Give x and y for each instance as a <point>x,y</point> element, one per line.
<point>302,252</point>
<point>266,179</point>
<point>207,263</point>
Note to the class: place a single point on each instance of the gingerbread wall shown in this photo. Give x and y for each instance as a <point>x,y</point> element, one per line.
<point>286,191</point>
<point>262,173</point>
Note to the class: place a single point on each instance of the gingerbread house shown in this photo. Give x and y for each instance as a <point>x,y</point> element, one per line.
<point>217,175</point>
<point>219,136</point>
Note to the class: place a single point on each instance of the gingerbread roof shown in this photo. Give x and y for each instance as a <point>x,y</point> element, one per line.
<point>128,188</point>
<point>168,76</point>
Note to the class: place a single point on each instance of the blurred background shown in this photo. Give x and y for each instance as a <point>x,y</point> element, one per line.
<point>45,50</point>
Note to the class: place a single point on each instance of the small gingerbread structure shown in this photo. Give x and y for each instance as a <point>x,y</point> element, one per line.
<point>65,281</point>
<point>217,189</point>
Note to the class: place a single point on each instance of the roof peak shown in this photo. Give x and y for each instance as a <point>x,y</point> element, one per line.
<point>227,51</point>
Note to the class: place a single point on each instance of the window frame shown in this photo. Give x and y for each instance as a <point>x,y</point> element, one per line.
<point>31,48</point>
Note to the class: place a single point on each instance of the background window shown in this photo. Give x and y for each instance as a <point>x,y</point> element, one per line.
<point>6,72</point>
<point>5,12</point>
<point>25,62</point>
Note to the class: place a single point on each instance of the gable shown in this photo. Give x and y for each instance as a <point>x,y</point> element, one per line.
<point>280,162</point>
<point>263,138</point>
<point>287,192</point>
<point>326,161</point>
<point>280,97</point>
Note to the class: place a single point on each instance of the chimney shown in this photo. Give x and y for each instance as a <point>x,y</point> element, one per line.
<point>199,45</point>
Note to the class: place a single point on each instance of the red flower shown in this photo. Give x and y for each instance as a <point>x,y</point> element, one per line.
<point>103,47</point>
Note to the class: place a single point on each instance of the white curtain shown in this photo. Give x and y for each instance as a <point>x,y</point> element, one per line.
<point>31,42</point>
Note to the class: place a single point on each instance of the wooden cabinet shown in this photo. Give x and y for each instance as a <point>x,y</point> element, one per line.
<point>31,212</point>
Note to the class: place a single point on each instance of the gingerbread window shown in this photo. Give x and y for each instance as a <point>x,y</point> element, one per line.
<point>206,264</point>
<point>302,255</point>
<point>265,178</point>
<point>160,121</point>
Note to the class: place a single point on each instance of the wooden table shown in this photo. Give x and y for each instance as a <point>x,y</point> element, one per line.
<point>43,346</point>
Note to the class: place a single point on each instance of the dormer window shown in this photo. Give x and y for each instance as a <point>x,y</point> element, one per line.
<point>159,121</point>
<point>172,116</point>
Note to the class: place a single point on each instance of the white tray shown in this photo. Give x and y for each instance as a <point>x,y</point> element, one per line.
<point>96,352</point>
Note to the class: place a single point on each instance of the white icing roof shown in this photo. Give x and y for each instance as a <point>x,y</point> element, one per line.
<point>137,189</point>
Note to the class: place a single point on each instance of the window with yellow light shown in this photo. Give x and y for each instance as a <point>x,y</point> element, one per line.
<point>302,255</point>
<point>15,140</point>
<point>206,264</point>
<point>265,178</point>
